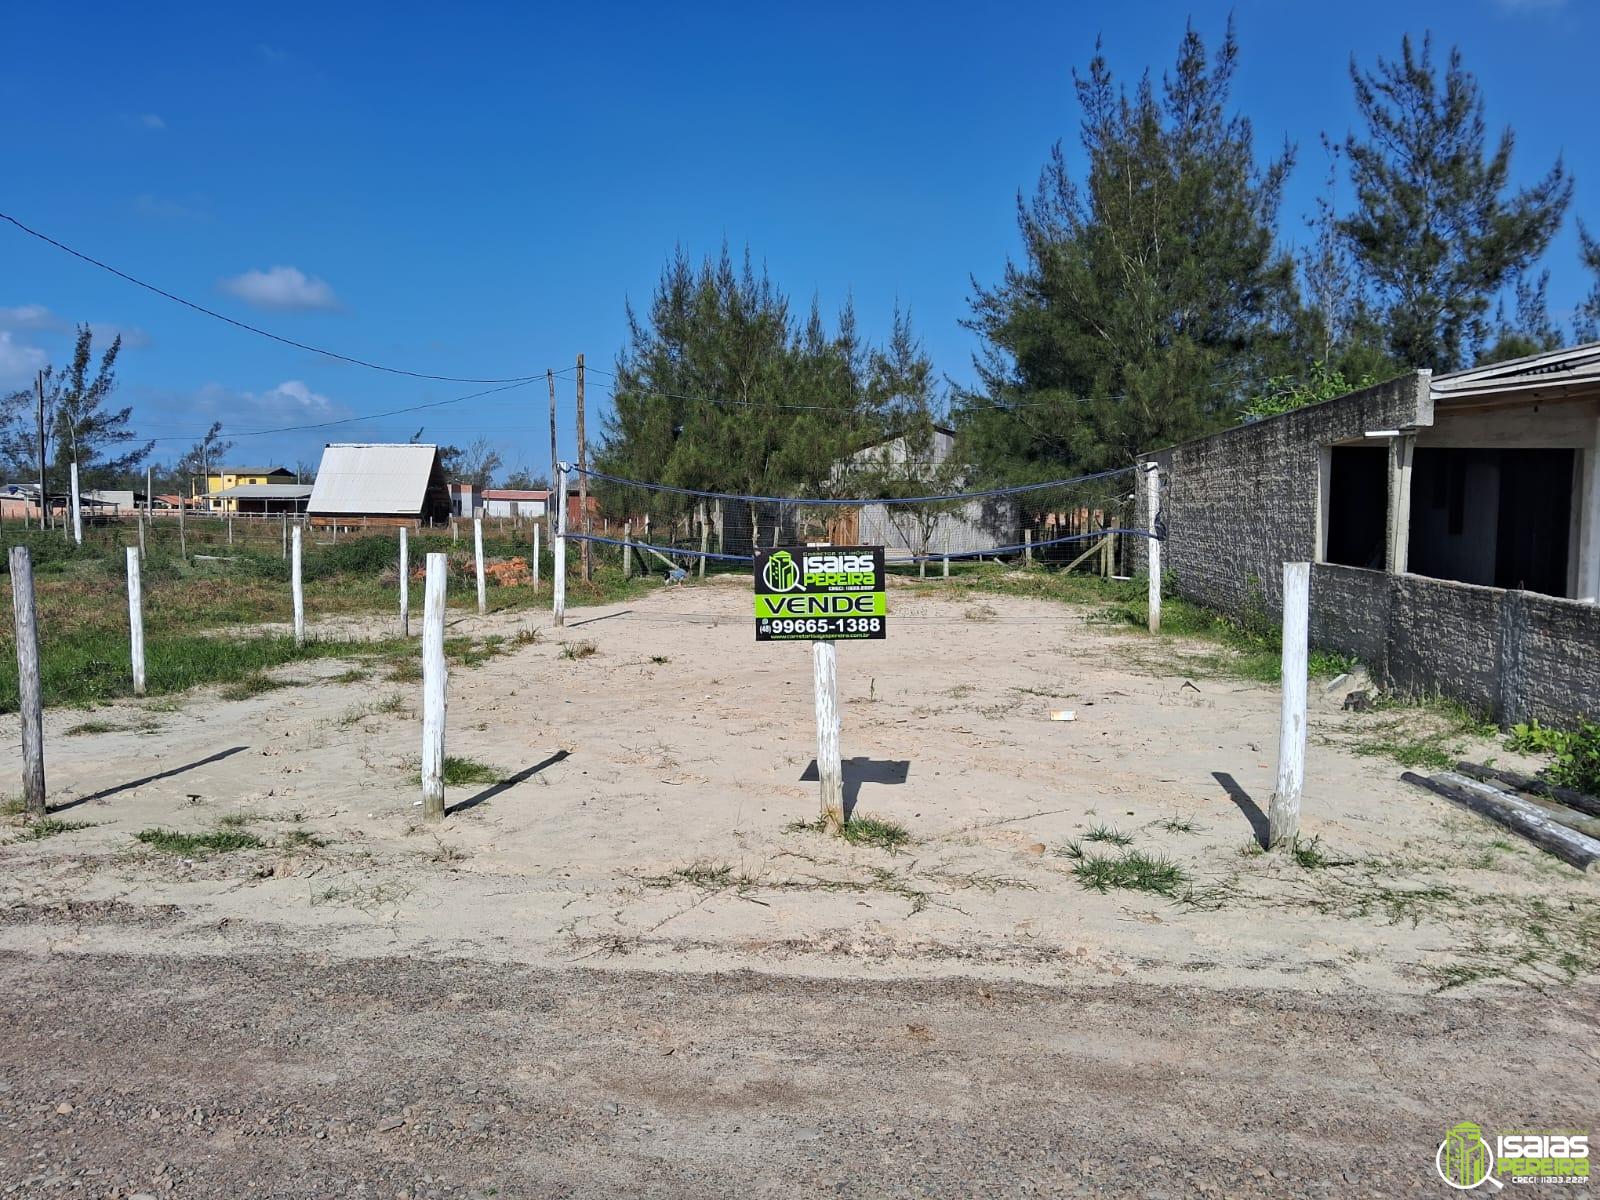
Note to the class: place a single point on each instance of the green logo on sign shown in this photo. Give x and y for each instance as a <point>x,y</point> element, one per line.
<point>1464,1159</point>
<point>781,573</point>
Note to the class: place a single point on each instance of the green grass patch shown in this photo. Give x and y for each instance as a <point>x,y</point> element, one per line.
<point>45,827</point>
<point>860,831</point>
<point>463,772</point>
<point>575,650</point>
<point>1133,870</point>
<point>1108,836</point>
<point>170,841</point>
<point>1179,825</point>
<point>91,727</point>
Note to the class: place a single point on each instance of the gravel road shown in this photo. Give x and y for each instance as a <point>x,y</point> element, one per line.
<point>276,1075</point>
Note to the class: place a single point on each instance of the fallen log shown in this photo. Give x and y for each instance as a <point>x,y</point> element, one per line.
<point>1514,813</point>
<point>1571,797</point>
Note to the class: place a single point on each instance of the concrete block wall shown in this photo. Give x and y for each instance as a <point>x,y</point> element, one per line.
<point>1239,504</point>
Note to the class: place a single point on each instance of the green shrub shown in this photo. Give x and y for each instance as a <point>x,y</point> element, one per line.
<point>1575,759</point>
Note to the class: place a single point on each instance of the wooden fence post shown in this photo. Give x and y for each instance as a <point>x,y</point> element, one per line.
<point>139,516</point>
<point>77,509</point>
<point>477,553</point>
<point>286,535</point>
<point>30,696</point>
<point>559,550</point>
<point>297,584</point>
<point>627,549</point>
<point>1027,547</point>
<point>1152,491</point>
<point>830,770</point>
<point>705,538</point>
<point>434,690</point>
<point>136,621</point>
<point>405,585</point>
<point>1283,817</point>
<point>536,526</point>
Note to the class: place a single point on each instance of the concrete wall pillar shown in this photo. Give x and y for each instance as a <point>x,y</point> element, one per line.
<point>1586,524</point>
<point>1401,451</point>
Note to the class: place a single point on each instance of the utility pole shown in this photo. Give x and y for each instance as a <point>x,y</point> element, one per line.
<point>39,383</point>
<point>583,481</point>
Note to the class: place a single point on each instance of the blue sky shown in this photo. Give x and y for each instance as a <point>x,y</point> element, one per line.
<point>474,190</point>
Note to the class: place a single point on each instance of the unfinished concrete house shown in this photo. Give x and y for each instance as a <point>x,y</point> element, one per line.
<point>1453,522</point>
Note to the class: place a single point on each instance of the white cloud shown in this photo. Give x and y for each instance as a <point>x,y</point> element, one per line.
<point>162,209</point>
<point>282,289</point>
<point>32,316</point>
<point>151,121</point>
<point>290,403</point>
<point>18,362</point>
<point>272,54</point>
<point>1529,6</point>
<point>133,338</point>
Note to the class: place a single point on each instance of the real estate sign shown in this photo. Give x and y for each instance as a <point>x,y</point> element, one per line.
<point>820,593</point>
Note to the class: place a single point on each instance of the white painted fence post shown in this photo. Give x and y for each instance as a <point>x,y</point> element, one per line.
<point>536,526</point>
<point>434,689</point>
<point>627,549</point>
<point>830,771</point>
<point>559,597</point>
<point>30,695</point>
<point>296,582</point>
<point>477,552</point>
<point>77,509</point>
<point>136,620</point>
<point>1283,818</point>
<point>1152,491</point>
<point>405,585</point>
<point>1027,546</point>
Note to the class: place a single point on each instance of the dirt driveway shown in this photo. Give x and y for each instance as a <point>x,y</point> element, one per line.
<point>626,968</point>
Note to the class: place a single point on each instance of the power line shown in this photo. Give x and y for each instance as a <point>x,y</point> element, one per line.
<point>200,308</point>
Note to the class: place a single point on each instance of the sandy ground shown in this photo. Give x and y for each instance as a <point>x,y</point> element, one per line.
<point>642,845</point>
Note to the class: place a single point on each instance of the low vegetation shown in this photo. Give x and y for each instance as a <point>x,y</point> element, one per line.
<point>860,830</point>
<point>1574,755</point>
<point>221,841</point>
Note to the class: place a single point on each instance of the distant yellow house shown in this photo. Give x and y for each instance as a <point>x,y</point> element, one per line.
<point>224,479</point>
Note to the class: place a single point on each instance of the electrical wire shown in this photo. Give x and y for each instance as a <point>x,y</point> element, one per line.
<point>200,308</point>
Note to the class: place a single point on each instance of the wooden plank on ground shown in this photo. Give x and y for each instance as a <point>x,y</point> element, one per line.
<point>1514,813</point>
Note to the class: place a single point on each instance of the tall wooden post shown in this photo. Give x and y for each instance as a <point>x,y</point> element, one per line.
<point>286,536</point>
<point>140,517</point>
<point>536,528</point>
<point>136,621</point>
<point>1152,491</point>
<point>183,540</point>
<point>1027,547</point>
<point>30,696</point>
<point>627,549</point>
<point>405,585</point>
<point>149,491</point>
<point>705,537</point>
<point>583,483</point>
<point>434,679</point>
<point>44,497</point>
<point>830,769</point>
<point>1283,817</point>
<point>477,554</point>
<point>558,549</point>
<point>296,583</point>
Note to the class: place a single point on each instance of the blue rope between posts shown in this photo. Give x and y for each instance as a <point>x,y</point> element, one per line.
<point>1010,491</point>
<point>669,551</point>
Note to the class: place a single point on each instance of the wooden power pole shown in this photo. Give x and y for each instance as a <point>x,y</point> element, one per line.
<point>43,501</point>
<point>583,482</point>
<point>555,470</point>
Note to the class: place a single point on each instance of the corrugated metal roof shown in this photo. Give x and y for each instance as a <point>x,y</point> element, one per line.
<point>251,471</point>
<point>373,479</point>
<point>1569,367</point>
<point>266,491</point>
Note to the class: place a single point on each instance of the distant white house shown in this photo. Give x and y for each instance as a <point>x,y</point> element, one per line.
<point>924,529</point>
<point>364,483</point>
<point>514,502</point>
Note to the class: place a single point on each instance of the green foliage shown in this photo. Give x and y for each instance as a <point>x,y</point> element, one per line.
<point>1586,321</point>
<point>860,830</point>
<point>1151,293</point>
<point>1435,228</point>
<point>719,388</point>
<point>1575,761</point>
<point>77,425</point>
<point>1286,392</point>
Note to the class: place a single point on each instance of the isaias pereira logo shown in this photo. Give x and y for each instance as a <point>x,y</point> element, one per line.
<point>781,574</point>
<point>1464,1159</point>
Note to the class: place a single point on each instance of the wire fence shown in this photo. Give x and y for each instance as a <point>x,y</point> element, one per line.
<point>1056,522</point>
